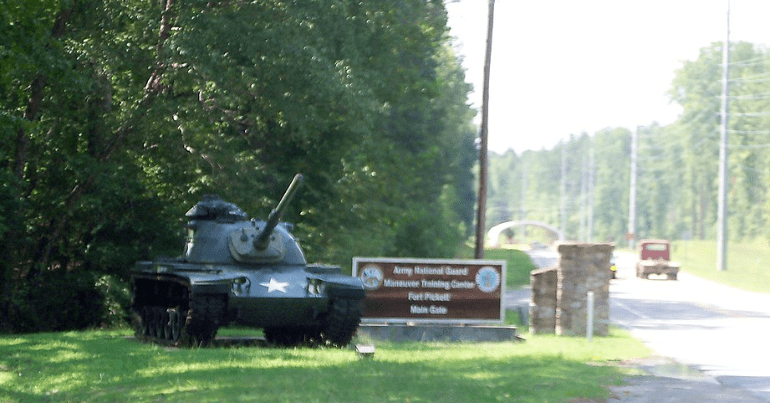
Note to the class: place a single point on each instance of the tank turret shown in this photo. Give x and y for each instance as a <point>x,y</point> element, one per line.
<point>261,242</point>
<point>246,272</point>
<point>220,232</point>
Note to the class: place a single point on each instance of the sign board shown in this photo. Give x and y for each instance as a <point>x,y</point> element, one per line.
<point>431,290</point>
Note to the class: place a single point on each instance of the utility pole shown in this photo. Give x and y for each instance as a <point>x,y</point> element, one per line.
<point>583,181</point>
<point>723,157</point>
<point>632,196</point>
<point>482,207</point>
<point>523,210</point>
<point>563,198</point>
<point>591,193</point>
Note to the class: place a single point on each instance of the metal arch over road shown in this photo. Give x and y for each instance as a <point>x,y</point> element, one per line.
<point>493,235</point>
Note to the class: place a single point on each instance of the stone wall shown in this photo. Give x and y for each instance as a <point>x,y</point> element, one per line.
<point>582,268</point>
<point>542,309</point>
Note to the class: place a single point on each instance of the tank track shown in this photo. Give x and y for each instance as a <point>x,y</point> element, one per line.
<point>198,324</point>
<point>342,321</point>
<point>180,326</point>
<point>337,330</point>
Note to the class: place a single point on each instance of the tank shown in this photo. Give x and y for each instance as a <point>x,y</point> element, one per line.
<point>252,273</point>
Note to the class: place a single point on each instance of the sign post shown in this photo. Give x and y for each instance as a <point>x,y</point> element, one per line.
<point>432,290</point>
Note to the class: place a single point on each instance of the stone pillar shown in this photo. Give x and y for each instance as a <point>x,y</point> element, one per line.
<point>542,308</point>
<point>583,267</point>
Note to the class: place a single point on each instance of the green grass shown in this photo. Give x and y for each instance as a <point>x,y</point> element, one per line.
<point>518,264</point>
<point>748,265</point>
<point>110,366</point>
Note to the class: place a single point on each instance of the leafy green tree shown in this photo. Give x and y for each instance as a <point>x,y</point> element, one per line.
<point>117,116</point>
<point>503,188</point>
<point>612,181</point>
<point>677,164</point>
<point>697,87</point>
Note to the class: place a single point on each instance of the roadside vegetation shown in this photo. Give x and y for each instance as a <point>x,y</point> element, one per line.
<point>116,117</point>
<point>518,264</point>
<point>676,190</point>
<point>110,366</point>
<point>746,263</point>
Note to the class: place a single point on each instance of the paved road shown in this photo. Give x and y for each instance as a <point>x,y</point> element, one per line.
<point>714,338</point>
<point>718,330</point>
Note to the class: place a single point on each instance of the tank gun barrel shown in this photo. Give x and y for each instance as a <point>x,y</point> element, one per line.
<point>263,238</point>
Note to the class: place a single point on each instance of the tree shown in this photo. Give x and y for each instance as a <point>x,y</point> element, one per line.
<point>117,116</point>
<point>677,164</point>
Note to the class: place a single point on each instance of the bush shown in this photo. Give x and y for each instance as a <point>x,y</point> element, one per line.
<point>117,298</point>
<point>56,301</point>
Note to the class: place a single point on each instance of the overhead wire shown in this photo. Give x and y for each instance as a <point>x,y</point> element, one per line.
<point>749,132</point>
<point>759,60</point>
<point>747,146</point>
<point>751,97</point>
<point>754,78</point>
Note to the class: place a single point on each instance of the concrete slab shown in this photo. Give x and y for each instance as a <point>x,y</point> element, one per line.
<point>438,332</point>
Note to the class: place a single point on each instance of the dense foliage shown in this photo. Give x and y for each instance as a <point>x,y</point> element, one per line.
<point>677,181</point>
<point>117,116</point>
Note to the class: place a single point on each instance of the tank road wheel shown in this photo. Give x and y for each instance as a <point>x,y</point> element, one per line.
<point>144,325</point>
<point>165,324</point>
<point>342,321</point>
<point>157,322</point>
<point>139,322</point>
<point>151,321</point>
<point>176,321</point>
<point>313,336</point>
<point>203,320</point>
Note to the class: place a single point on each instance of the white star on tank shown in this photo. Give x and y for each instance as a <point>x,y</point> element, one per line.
<point>275,285</point>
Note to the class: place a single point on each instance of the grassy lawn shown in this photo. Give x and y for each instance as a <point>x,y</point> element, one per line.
<point>110,366</point>
<point>747,263</point>
<point>518,264</point>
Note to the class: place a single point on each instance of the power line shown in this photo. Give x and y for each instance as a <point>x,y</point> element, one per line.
<point>748,146</point>
<point>751,62</point>
<point>750,113</point>
<point>749,131</point>
<point>761,95</point>
<point>750,78</point>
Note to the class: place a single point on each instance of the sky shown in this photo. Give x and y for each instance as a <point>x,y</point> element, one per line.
<point>562,67</point>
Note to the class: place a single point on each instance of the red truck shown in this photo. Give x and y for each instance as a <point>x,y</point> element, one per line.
<point>655,258</point>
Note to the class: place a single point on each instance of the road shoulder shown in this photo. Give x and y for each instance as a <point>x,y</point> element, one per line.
<point>665,380</point>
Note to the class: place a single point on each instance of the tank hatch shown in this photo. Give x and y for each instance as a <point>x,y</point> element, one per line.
<point>214,208</point>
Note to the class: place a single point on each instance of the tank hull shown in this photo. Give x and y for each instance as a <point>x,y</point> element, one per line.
<point>297,297</point>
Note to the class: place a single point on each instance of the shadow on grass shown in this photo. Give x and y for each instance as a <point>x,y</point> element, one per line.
<point>115,368</point>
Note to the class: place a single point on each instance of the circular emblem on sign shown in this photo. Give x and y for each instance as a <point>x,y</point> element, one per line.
<point>372,277</point>
<point>488,279</point>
